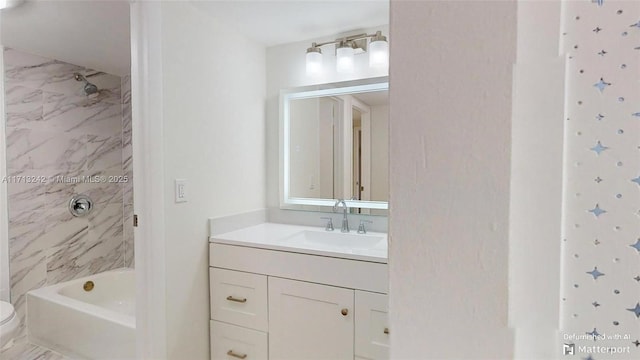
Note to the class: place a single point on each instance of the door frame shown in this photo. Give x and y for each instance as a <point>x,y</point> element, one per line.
<point>5,268</point>
<point>148,167</point>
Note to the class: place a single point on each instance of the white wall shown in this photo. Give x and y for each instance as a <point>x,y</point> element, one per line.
<point>553,251</point>
<point>286,69</point>
<point>450,96</point>
<point>215,138</point>
<point>305,152</point>
<point>326,143</point>
<point>312,142</point>
<point>538,140</point>
<point>609,180</point>
<point>380,152</point>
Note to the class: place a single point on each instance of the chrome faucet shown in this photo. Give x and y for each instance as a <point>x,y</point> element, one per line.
<point>361,228</point>
<point>345,221</point>
<point>329,226</point>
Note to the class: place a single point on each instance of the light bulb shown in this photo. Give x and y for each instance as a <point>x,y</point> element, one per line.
<point>379,53</point>
<point>5,4</point>
<point>344,59</point>
<point>314,61</point>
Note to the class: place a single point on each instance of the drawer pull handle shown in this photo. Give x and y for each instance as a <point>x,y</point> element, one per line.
<point>239,356</point>
<point>344,312</point>
<point>231,298</point>
<point>386,330</point>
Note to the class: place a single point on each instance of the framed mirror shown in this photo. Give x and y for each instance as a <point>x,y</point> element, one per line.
<point>334,145</point>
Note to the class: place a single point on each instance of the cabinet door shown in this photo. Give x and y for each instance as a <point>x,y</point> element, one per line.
<point>372,325</point>
<point>231,342</point>
<point>309,321</point>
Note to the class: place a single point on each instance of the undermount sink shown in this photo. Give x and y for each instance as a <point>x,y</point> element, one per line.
<point>326,239</point>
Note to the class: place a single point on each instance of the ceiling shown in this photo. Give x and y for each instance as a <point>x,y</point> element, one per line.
<point>374,98</point>
<point>272,22</point>
<point>95,34</point>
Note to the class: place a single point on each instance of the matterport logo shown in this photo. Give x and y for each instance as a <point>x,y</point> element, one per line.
<point>604,349</point>
<point>569,349</point>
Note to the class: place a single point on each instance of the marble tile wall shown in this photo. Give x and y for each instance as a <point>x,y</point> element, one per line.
<point>56,138</point>
<point>127,170</point>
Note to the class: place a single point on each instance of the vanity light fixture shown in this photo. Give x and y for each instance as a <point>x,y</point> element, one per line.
<point>346,49</point>
<point>7,4</point>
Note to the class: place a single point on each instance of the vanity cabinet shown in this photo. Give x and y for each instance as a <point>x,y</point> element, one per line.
<point>270,304</point>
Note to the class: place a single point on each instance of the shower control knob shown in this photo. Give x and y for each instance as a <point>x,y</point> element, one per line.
<point>80,205</point>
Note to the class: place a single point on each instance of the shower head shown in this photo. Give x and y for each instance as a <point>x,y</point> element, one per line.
<point>89,89</point>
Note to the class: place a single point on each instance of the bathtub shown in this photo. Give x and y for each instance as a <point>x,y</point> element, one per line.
<point>95,324</point>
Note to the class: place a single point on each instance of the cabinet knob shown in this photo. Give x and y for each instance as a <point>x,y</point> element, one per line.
<point>386,330</point>
<point>344,312</point>
<point>239,356</point>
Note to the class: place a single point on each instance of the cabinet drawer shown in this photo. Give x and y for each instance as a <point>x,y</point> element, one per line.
<point>372,325</point>
<point>231,342</point>
<point>239,298</point>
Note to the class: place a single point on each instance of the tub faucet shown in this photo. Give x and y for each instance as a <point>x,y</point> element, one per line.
<point>345,221</point>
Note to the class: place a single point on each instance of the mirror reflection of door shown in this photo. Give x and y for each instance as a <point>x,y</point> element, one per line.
<point>361,152</point>
<point>357,154</point>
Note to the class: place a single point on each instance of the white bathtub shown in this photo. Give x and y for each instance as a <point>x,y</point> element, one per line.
<point>96,324</point>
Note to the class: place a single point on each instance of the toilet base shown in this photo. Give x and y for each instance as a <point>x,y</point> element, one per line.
<point>8,331</point>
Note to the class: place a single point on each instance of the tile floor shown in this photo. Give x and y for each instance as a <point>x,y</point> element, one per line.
<point>23,350</point>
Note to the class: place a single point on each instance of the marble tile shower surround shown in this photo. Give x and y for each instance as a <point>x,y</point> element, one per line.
<point>56,139</point>
<point>127,170</point>
<point>600,301</point>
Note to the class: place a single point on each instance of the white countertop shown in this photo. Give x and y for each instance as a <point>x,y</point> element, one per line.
<point>284,237</point>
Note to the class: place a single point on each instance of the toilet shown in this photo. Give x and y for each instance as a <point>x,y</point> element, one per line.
<point>9,323</point>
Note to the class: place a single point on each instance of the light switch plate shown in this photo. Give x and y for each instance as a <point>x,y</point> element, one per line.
<point>181,190</point>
